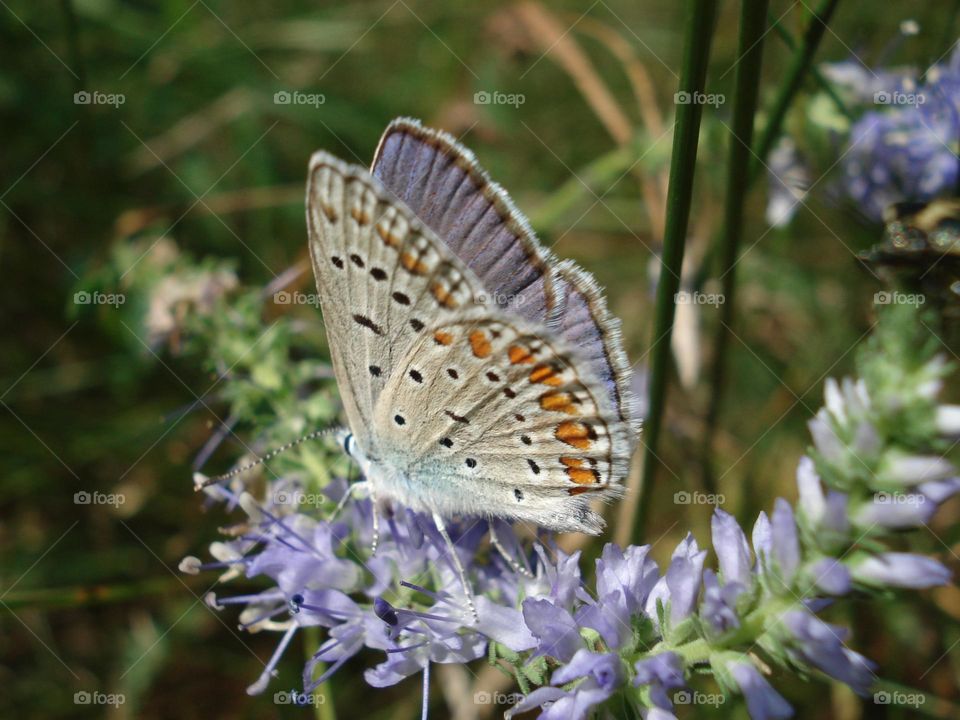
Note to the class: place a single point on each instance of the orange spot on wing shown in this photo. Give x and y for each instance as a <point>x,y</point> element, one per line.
<point>480,344</point>
<point>389,238</point>
<point>330,212</point>
<point>546,374</point>
<point>441,337</point>
<point>519,355</point>
<point>443,296</point>
<point>558,402</point>
<point>572,462</point>
<point>575,434</point>
<point>578,490</point>
<point>413,264</point>
<point>583,477</point>
<point>360,216</point>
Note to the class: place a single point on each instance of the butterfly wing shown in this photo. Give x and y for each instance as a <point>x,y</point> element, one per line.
<point>382,277</point>
<point>442,183</point>
<point>489,415</point>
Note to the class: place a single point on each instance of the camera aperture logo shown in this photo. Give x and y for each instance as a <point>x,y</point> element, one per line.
<point>295,97</point>
<point>84,497</point>
<point>95,697</point>
<point>485,97</point>
<point>95,97</point>
<point>95,297</point>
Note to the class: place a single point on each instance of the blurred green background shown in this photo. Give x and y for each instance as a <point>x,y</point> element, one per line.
<point>200,155</point>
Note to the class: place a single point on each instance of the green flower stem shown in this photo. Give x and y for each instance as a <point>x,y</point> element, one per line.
<point>700,20</point>
<point>325,710</point>
<point>815,73</point>
<point>89,595</point>
<point>753,26</point>
<point>800,63</point>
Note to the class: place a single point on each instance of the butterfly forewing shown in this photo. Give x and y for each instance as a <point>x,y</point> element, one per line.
<point>442,183</point>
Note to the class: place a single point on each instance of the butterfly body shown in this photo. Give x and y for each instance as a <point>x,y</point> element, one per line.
<point>477,379</point>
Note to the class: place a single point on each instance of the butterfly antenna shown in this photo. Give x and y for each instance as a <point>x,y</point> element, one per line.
<point>201,481</point>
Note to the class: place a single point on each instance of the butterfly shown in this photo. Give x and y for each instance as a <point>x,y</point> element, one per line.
<point>479,374</point>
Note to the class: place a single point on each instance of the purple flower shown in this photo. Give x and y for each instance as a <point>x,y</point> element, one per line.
<point>733,553</point>
<point>901,570</point>
<point>554,628</point>
<point>660,673</point>
<point>830,576</point>
<point>810,641</point>
<point>683,578</point>
<point>763,702</point>
<point>719,606</point>
<point>785,545</point>
<point>602,675</point>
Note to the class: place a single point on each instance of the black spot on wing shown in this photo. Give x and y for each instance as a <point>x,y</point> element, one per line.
<point>368,323</point>
<point>456,418</point>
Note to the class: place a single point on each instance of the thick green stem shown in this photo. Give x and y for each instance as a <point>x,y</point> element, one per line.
<point>700,21</point>
<point>753,26</point>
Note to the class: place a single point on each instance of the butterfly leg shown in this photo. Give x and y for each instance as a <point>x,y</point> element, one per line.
<point>511,561</point>
<point>375,543</point>
<point>352,489</point>
<point>455,559</point>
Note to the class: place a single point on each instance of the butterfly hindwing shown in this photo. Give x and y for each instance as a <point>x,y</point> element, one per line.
<point>494,417</point>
